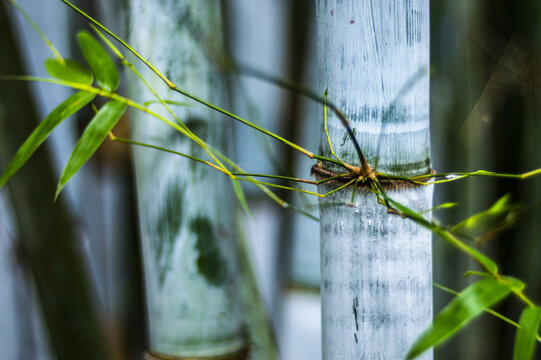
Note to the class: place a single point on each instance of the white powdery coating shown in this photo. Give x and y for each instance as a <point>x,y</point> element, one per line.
<point>376,276</point>
<point>190,313</point>
<point>374,61</point>
<point>376,270</point>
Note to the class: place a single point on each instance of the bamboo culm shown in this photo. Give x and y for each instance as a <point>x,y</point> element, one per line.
<point>187,226</point>
<point>376,281</point>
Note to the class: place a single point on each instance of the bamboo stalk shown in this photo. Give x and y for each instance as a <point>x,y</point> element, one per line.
<point>187,226</point>
<point>376,281</point>
<point>47,241</point>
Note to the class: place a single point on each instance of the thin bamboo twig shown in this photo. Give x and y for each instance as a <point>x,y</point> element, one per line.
<point>110,95</point>
<point>41,34</point>
<point>311,95</point>
<point>449,237</point>
<point>126,63</point>
<point>174,87</point>
<point>138,143</point>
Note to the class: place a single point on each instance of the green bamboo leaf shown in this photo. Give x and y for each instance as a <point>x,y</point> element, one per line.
<point>446,205</point>
<point>513,283</point>
<point>69,71</point>
<point>530,319</point>
<point>99,60</point>
<point>459,312</point>
<point>445,235</point>
<point>239,193</point>
<point>478,273</point>
<point>70,106</point>
<point>94,134</point>
<point>484,260</point>
<point>487,219</point>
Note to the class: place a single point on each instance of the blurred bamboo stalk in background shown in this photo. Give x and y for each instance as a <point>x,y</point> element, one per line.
<point>47,240</point>
<point>187,223</point>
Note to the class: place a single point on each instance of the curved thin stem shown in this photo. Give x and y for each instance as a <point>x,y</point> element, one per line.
<point>114,96</point>
<point>98,24</point>
<point>138,143</point>
<point>309,94</point>
<point>327,130</point>
<point>41,34</point>
<point>130,66</point>
<point>174,87</point>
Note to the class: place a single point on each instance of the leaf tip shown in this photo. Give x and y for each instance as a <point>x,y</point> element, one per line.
<point>58,191</point>
<point>3,180</point>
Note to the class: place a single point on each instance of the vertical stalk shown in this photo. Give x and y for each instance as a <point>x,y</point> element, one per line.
<point>48,242</point>
<point>376,271</point>
<point>187,226</point>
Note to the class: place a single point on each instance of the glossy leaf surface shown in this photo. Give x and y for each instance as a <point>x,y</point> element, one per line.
<point>99,60</point>
<point>71,71</point>
<point>70,106</point>
<point>460,311</point>
<point>102,123</point>
<point>527,334</point>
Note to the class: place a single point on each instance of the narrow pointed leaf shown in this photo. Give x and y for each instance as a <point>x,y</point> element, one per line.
<point>526,337</point>
<point>459,312</point>
<point>94,134</point>
<point>485,261</point>
<point>69,71</point>
<point>478,273</point>
<point>514,283</point>
<point>99,60</point>
<point>485,220</point>
<point>445,235</point>
<point>70,106</point>
<point>239,193</point>
<point>446,205</point>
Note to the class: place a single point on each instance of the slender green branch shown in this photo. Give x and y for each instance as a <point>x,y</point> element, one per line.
<point>531,173</point>
<point>266,190</point>
<point>326,159</point>
<point>306,181</point>
<point>490,311</point>
<point>42,35</point>
<point>138,143</point>
<point>168,102</point>
<point>313,182</point>
<point>245,122</point>
<point>253,181</point>
<point>299,190</point>
<point>113,96</point>
<point>338,188</point>
<point>311,95</point>
<point>131,103</point>
<point>174,87</point>
<point>130,66</point>
<point>98,24</point>
<point>452,176</point>
<point>488,265</point>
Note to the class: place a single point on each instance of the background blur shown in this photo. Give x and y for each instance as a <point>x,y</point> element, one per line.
<point>485,106</point>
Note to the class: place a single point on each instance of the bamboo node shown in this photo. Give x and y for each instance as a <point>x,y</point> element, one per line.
<point>388,183</point>
<point>241,354</point>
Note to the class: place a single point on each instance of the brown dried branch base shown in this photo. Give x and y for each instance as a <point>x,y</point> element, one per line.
<point>366,176</point>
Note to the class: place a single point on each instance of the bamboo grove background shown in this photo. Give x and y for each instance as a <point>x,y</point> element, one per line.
<point>485,114</point>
